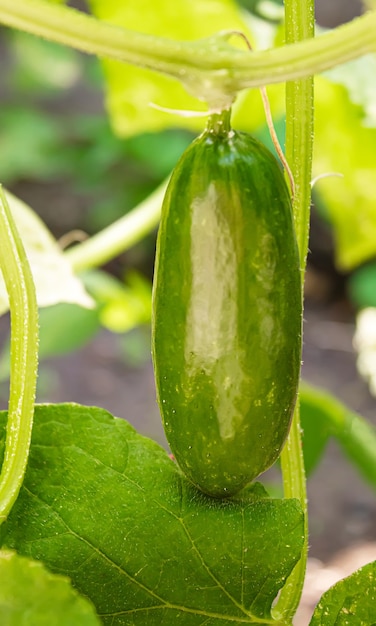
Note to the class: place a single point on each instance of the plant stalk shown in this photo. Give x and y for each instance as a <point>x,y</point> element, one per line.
<point>209,68</point>
<point>299,145</point>
<point>24,358</point>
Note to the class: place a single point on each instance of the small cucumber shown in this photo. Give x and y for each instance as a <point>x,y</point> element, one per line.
<point>227,310</point>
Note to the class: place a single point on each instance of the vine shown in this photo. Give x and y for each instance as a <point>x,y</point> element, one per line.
<point>24,358</point>
<point>210,68</point>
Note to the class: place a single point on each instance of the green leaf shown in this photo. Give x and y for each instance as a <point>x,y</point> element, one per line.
<point>356,77</point>
<point>52,273</point>
<point>249,115</point>
<point>111,510</point>
<point>32,596</point>
<point>316,427</point>
<point>351,601</point>
<point>123,306</point>
<point>169,145</point>
<point>21,127</point>
<point>66,327</point>
<point>43,65</point>
<point>268,10</point>
<point>344,144</point>
<point>62,328</point>
<point>135,347</point>
<point>355,435</point>
<point>361,286</point>
<point>130,89</point>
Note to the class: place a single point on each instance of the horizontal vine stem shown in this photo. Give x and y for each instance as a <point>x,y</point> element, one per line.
<point>207,66</point>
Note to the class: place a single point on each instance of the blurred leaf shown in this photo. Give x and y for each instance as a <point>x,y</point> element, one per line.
<point>358,440</point>
<point>316,427</point>
<point>53,277</point>
<point>345,145</point>
<point>43,65</point>
<point>110,509</point>
<point>270,10</point>
<point>116,174</point>
<point>63,328</point>
<point>356,77</point>
<point>131,89</point>
<point>122,305</point>
<point>103,286</point>
<point>352,601</point>
<point>30,143</point>
<point>361,286</point>
<point>249,115</point>
<point>135,346</point>
<point>66,327</point>
<point>159,152</point>
<point>32,596</point>
<point>355,435</point>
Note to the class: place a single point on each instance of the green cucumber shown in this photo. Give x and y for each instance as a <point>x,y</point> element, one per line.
<point>227,310</point>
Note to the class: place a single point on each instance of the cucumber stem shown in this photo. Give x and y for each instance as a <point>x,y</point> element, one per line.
<point>219,123</point>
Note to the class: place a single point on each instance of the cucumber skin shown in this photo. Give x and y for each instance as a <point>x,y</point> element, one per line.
<point>227,312</point>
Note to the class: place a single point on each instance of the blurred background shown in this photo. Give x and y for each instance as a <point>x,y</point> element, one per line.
<point>59,154</point>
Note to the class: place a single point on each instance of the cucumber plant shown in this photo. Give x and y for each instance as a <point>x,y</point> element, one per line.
<point>108,508</point>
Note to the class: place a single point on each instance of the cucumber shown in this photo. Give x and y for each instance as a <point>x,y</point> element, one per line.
<point>227,310</point>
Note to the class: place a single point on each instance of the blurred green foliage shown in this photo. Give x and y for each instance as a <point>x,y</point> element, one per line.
<point>46,134</point>
<point>54,130</point>
<point>362,286</point>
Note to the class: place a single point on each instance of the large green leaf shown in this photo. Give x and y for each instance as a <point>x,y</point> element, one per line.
<point>32,596</point>
<point>131,89</point>
<point>344,144</point>
<point>112,511</point>
<point>352,601</point>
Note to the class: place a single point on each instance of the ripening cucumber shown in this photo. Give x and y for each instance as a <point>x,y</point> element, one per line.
<point>227,310</point>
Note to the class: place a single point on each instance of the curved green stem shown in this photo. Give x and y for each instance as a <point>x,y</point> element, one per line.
<point>211,68</point>
<point>299,144</point>
<point>24,358</point>
<point>120,235</point>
